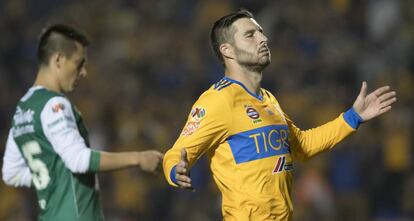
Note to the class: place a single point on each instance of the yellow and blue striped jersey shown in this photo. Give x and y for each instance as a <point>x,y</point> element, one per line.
<point>251,144</point>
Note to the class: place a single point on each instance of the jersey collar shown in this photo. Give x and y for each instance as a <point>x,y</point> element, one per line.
<point>257,96</point>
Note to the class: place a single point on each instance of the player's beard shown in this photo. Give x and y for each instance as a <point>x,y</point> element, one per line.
<point>252,61</point>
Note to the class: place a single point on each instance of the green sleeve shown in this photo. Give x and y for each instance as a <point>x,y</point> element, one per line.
<point>95,160</point>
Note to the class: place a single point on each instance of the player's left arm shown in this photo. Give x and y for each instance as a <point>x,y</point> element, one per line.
<point>15,170</point>
<point>308,143</point>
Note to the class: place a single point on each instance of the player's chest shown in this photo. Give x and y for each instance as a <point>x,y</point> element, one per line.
<point>251,114</point>
<point>258,131</point>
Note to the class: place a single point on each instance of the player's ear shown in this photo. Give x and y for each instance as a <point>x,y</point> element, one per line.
<point>227,50</point>
<point>56,60</point>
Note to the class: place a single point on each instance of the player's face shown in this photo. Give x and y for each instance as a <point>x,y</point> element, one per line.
<point>73,69</point>
<point>250,44</point>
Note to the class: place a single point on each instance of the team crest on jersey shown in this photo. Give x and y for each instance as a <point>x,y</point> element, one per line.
<point>283,165</point>
<point>58,107</point>
<point>253,114</point>
<point>198,113</point>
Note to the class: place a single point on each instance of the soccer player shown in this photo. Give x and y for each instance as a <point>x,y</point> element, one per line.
<point>48,146</point>
<point>250,141</point>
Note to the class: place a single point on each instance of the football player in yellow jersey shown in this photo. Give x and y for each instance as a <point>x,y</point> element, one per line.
<point>250,141</point>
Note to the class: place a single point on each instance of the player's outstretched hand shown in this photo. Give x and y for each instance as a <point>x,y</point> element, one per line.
<point>182,171</point>
<point>150,161</point>
<point>374,104</point>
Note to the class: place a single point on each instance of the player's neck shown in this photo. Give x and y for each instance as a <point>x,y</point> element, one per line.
<point>45,79</point>
<point>250,79</point>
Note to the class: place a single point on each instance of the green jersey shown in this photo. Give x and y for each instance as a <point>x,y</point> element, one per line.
<point>48,148</point>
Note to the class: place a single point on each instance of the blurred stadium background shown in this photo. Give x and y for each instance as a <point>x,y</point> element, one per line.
<point>151,59</point>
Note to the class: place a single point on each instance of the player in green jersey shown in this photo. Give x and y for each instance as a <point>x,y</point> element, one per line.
<point>48,147</point>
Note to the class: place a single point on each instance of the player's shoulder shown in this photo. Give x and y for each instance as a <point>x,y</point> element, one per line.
<point>266,93</point>
<point>58,104</point>
<point>38,92</point>
<point>44,100</point>
<point>222,85</point>
<point>57,109</point>
<point>37,97</point>
<point>218,92</point>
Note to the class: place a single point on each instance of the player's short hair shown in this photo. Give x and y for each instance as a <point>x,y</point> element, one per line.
<point>221,32</point>
<point>59,38</point>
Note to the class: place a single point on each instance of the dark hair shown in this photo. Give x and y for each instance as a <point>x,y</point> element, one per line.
<point>59,38</point>
<point>221,31</point>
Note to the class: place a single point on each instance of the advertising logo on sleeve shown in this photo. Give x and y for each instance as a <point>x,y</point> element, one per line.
<point>194,122</point>
<point>58,107</point>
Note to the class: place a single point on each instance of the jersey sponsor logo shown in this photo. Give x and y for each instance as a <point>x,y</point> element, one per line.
<point>194,122</point>
<point>23,122</point>
<point>21,130</point>
<point>190,128</point>
<point>58,107</point>
<point>282,165</point>
<point>253,114</point>
<point>260,143</point>
<point>55,122</point>
<point>23,117</point>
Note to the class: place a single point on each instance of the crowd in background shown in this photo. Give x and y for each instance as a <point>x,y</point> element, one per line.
<point>150,60</point>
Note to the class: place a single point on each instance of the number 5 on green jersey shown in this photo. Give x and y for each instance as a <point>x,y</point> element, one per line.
<point>40,173</point>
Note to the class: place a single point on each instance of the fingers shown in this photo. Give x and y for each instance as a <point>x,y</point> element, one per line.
<point>381,90</point>
<point>184,185</point>
<point>387,96</point>
<point>181,172</point>
<point>183,180</point>
<point>384,110</point>
<point>363,91</point>
<point>388,102</point>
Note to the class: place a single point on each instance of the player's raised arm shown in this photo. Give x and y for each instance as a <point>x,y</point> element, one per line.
<point>308,143</point>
